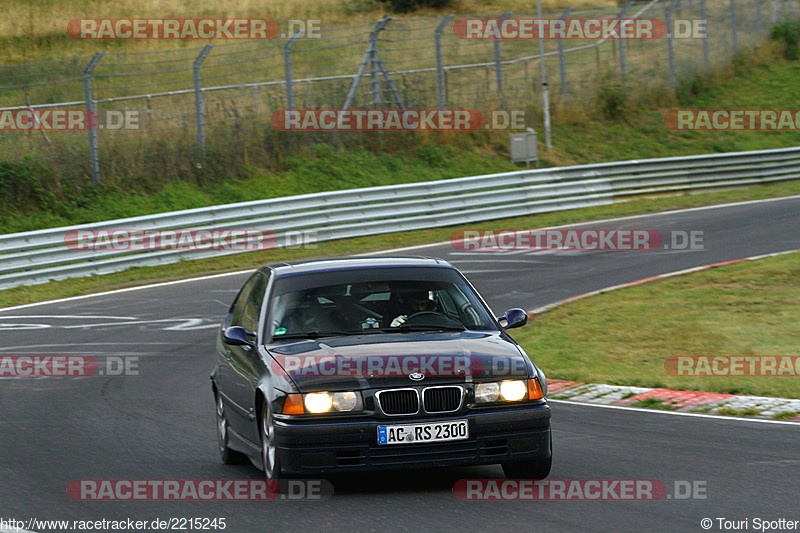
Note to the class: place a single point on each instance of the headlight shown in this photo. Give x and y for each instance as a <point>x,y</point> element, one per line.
<point>513,391</point>
<point>506,391</point>
<point>487,392</point>
<point>318,402</point>
<point>345,401</point>
<point>326,402</point>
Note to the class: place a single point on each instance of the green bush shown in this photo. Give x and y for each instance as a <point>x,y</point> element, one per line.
<point>22,186</point>
<point>788,34</point>
<point>611,96</point>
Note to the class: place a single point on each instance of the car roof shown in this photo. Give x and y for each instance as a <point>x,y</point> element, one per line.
<point>354,263</point>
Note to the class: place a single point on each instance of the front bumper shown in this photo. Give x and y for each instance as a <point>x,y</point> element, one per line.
<point>495,435</point>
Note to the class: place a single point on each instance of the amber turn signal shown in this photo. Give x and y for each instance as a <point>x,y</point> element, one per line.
<point>534,390</point>
<point>294,405</point>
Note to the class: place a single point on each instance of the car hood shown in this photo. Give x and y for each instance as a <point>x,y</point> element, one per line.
<point>393,359</point>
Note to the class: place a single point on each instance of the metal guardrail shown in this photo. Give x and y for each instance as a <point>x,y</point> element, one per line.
<point>40,256</point>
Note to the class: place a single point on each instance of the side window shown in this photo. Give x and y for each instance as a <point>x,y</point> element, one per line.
<point>234,317</point>
<point>252,307</point>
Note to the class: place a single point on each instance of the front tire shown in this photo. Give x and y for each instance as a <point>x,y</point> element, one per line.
<point>226,455</point>
<point>269,450</point>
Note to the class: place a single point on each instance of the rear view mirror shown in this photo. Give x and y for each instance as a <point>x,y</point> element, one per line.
<point>237,336</point>
<point>513,318</point>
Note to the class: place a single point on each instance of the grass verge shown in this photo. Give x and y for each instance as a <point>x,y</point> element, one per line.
<point>623,337</point>
<point>187,269</point>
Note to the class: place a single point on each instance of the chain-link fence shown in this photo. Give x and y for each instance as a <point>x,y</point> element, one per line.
<point>208,109</point>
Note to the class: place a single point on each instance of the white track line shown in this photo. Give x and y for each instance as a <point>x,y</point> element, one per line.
<point>677,413</point>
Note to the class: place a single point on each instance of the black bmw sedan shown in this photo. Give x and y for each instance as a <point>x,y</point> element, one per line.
<point>352,364</point>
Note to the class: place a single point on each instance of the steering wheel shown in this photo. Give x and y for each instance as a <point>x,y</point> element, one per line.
<point>436,314</point>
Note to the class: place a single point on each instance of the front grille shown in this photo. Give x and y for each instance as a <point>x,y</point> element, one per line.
<point>441,399</point>
<point>399,402</point>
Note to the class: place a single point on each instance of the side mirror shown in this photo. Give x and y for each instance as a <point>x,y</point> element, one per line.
<point>513,318</point>
<point>237,336</point>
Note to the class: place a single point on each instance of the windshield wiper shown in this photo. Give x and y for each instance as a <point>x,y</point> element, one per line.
<point>423,327</point>
<point>316,334</point>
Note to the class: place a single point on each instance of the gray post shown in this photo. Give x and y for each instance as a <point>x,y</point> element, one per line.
<point>545,92</point>
<point>670,51</point>
<point>706,58</point>
<point>94,158</point>
<point>774,11</point>
<point>198,99</point>
<point>373,53</point>
<point>437,37</point>
<point>759,22</point>
<point>622,64</point>
<point>287,63</point>
<point>562,57</point>
<point>498,66</point>
<point>733,28</point>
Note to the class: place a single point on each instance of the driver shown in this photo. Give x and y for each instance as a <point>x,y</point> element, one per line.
<point>412,303</point>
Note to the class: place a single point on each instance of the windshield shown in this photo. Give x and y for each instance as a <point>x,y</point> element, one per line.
<point>380,305</point>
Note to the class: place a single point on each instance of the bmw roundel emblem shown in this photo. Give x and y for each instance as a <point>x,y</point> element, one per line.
<point>416,376</point>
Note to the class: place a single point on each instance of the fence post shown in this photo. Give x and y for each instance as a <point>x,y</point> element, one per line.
<point>373,53</point>
<point>199,105</point>
<point>287,63</point>
<point>622,64</point>
<point>562,57</point>
<point>733,28</point>
<point>706,59</point>
<point>759,23</point>
<point>774,11</point>
<point>437,38</point>
<point>545,92</point>
<point>670,51</point>
<point>94,158</point>
<point>498,66</point>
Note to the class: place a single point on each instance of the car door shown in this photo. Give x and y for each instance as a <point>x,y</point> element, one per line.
<point>229,378</point>
<point>244,360</point>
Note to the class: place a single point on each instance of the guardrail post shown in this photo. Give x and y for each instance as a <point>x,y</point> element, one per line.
<point>622,64</point>
<point>734,30</point>
<point>498,65</point>
<point>199,105</point>
<point>437,39</point>
<point>673,82</point>
<point>287,63</point>
<point>562,57</point>
<point>94,158</point>
<point>706,58</point>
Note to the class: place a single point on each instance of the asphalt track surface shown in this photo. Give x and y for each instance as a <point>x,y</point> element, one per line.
<point>160,424</point>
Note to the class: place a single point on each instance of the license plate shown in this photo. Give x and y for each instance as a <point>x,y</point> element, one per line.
<point>423,433</point>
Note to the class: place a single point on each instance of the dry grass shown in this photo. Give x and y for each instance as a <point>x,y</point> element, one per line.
<point>32,30</point>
